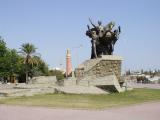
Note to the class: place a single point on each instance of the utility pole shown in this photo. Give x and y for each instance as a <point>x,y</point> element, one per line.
<point>76,52</point>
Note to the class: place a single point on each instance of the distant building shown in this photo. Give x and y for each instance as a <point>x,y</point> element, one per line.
<point>60,69</point>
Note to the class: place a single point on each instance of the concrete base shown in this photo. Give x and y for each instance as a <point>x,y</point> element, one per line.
<point>109,80</point>
<point>101,72</point>
<point>77,89</point>
<point>102,83</point>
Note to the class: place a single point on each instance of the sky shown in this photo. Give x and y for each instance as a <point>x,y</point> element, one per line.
<point>53,26</point>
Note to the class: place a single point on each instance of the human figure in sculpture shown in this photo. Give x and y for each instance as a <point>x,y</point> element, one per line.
<point>103,38</point>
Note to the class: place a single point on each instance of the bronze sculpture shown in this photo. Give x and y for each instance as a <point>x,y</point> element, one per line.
<point>103,38</point>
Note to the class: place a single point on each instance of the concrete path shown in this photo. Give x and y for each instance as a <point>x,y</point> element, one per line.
<point>147,111</point>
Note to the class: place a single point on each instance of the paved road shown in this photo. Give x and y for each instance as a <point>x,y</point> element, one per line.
<point>140,85</point>
<point>147,111</point>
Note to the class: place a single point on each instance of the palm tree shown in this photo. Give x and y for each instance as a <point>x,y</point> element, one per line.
<point>29,57</point>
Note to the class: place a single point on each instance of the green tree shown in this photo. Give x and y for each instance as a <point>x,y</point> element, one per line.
<point>3,59</point>
<point>27,64</point>
<point>9,62</point>
<point>59,75</point>
<point>41,69</point>
<point>3,48</point>
<point>30,57</point>
<point>13,63</point>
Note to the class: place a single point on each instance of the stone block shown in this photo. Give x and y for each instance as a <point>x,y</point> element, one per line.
<point>102,66</point>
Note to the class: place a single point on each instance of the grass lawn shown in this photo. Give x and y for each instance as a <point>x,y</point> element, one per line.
<point>86,101</point>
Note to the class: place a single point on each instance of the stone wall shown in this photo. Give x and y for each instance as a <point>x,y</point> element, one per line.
<point>100,67</point>
<point>44,80</point>
<point>106,67</point>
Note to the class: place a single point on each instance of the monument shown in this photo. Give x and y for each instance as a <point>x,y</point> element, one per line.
<point>103,70</point>
<point>101,74</point>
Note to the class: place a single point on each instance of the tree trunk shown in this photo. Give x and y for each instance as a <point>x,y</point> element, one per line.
<point>27,80</point>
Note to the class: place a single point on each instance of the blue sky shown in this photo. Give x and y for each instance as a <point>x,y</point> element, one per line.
<point>55,25</point>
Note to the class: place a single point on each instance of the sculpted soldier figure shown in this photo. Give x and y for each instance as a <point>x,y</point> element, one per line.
<point>103,38</point>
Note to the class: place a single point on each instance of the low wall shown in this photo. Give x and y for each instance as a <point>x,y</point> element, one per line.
<point>44,80</point>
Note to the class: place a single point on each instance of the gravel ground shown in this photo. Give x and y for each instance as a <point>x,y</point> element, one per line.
<point>146,111</point>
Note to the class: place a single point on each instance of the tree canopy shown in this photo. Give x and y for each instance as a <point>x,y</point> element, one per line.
<point>23,64</point>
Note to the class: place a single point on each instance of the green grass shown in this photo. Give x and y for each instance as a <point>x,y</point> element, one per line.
<point>86,101</point>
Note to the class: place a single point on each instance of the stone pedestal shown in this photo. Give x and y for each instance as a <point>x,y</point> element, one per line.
<point>100,67</point>
<point>103,73</point>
